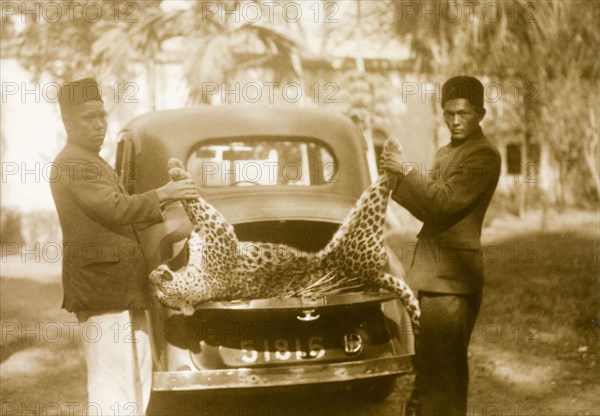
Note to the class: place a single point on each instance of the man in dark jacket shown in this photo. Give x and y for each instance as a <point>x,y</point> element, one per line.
<point>104,272</point>
<point>450,199</point>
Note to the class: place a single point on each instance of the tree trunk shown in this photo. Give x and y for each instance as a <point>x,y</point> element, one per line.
<point>592,158</point>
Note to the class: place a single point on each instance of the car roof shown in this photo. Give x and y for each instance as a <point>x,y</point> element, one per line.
<point>160,135</point>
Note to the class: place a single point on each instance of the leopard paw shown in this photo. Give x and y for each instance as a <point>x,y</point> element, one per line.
<point>187,309</point>
<point>178,174</point>
<point>175,163</point>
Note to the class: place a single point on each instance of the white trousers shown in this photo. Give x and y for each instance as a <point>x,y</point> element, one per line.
<point>119,362</point>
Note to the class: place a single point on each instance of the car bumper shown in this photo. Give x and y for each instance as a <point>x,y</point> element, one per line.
<point>277,376</point>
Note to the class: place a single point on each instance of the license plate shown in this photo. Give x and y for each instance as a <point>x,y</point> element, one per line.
<point>273,351</point>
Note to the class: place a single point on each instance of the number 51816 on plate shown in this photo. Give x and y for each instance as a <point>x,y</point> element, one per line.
<point>275,351</point>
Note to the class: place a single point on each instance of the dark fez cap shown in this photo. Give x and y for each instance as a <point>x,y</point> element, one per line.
<point>78,92</point>
<point>463,87</point>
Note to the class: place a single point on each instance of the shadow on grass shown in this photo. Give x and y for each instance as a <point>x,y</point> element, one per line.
<point>31,315</point>
<point>42,362</point>
<point>551,278</point>
<point>535,343</point>
<point>30,300</point>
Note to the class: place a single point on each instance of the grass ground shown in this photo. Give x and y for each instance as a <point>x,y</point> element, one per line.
<point>534,350</point>
<point>42,363</point>
<point>535,346</point>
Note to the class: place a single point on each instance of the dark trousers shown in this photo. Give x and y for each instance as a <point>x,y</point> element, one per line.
<point>442,371</point>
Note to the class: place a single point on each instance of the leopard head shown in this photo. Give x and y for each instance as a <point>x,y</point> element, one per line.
<point>176,290</point>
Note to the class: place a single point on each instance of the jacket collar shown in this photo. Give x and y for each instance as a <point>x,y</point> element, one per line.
<point>475,135</point>
<point>88,153</point>
<point>80,148</point>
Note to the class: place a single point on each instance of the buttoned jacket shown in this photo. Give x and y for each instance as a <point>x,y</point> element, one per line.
<point>451,198</point>
<point>103,267</point>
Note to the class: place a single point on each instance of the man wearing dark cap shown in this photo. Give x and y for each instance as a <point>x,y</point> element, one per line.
<point>451,200</point>
<point>104,272</point>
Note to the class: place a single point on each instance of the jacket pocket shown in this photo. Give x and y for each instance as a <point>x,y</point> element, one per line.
<point>95,253</point>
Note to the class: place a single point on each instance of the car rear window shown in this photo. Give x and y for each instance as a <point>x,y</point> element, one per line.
<point>260,162</point>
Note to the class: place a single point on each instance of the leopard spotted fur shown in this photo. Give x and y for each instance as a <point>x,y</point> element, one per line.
<point>222,268</point>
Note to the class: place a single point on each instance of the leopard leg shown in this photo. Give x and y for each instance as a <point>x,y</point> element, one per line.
<point>218,239</point>
<point>199,211</point>
<point>406,295</point>
<point>358,248</point>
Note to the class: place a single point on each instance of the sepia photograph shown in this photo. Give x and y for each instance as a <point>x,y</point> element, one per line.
<point>300,207</point>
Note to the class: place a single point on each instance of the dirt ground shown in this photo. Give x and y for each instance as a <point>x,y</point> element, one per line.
<point>534,349</point>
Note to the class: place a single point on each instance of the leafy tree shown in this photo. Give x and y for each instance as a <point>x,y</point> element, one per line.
<point>538,47</point>
<point>365,28</point>
<point>57,38</point>
<point>212,45</point>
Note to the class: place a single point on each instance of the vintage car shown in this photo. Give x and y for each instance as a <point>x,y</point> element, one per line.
<point>286,175</point>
